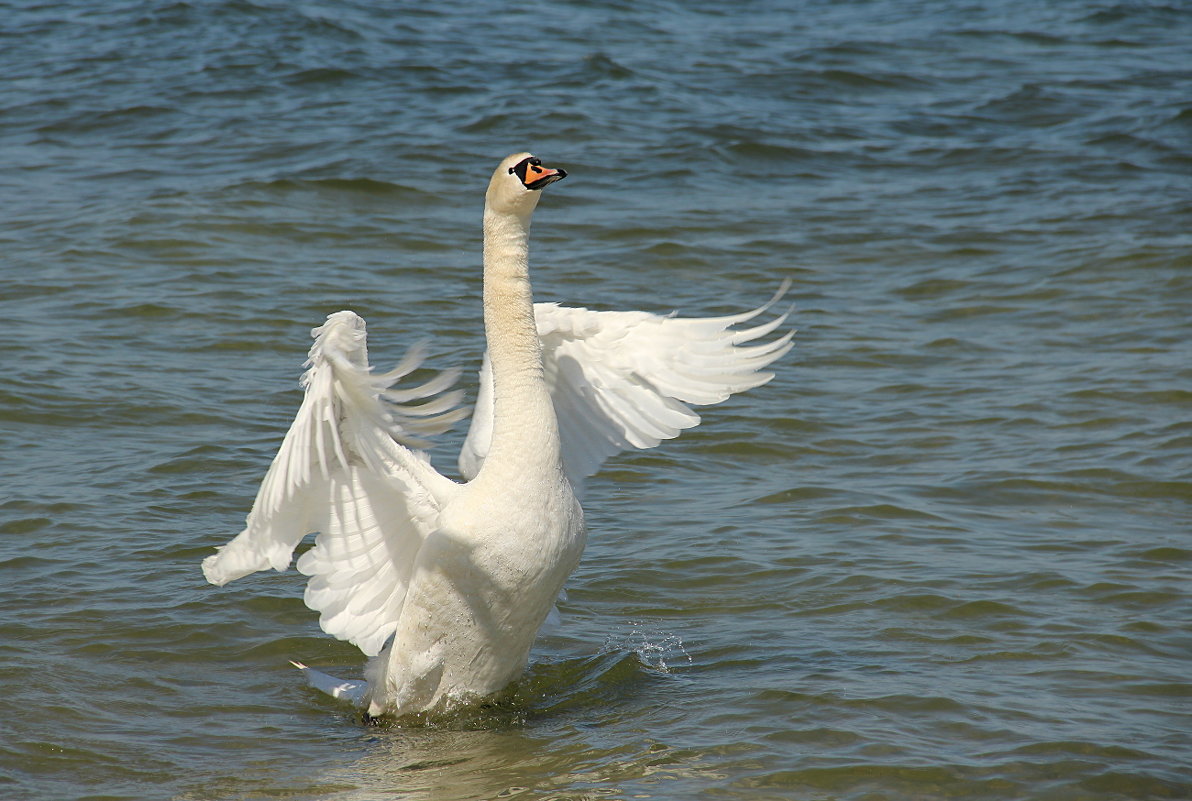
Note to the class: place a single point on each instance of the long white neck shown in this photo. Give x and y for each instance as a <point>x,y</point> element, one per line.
<point>525,433</point>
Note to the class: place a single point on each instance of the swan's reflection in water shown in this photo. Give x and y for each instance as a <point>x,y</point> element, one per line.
<point>438,765</point>
<point>448,765</point>
<point>549,734</point>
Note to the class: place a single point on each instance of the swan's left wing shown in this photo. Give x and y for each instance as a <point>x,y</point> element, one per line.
<point>623,380</point>
<point>346,470</point>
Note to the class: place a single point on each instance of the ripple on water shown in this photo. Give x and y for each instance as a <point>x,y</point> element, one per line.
<point>942,554</point>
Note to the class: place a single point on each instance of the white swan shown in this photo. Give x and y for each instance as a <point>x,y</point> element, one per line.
<point>459,577</point>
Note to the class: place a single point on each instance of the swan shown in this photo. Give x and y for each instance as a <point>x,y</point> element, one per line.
<point>444,585</point>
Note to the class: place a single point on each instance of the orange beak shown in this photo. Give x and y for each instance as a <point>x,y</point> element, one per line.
<point>538,177</point>
<point>535,176</point>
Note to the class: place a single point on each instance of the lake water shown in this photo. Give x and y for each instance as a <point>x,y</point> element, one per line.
<point>944,554</point>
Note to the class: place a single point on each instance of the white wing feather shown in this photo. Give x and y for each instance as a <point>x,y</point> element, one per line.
<point>622,380</point>
<point>345,469</point>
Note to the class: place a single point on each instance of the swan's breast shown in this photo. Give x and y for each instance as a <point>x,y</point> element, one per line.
<point>520,536</point>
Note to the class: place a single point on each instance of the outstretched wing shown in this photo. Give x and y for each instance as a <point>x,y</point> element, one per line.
<point>346,470</point>
<point>622,380</point>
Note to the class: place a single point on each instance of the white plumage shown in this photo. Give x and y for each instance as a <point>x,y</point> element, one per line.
<point>457,578</point>
<point>622,380</point>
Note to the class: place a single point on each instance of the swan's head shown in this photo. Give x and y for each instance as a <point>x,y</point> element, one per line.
<point>515,185</point>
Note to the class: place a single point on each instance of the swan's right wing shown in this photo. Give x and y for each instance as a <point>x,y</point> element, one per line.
<point>623,380</point>
<point>345,469</point>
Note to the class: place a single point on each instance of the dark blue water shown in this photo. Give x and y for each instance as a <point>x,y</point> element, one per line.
<point>944,554</point>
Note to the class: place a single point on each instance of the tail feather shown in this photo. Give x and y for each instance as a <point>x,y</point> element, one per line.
<point>343,689</point>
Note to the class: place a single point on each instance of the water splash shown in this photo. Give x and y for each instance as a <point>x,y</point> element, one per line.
<point>656,649</point>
